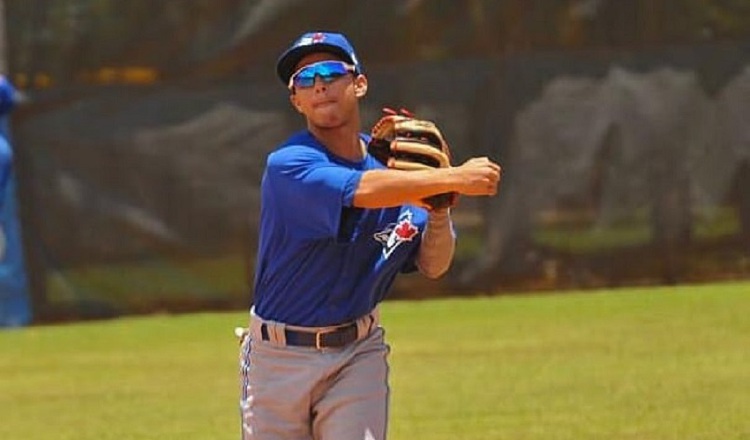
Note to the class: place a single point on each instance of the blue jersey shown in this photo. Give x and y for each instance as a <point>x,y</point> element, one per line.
<point>320,260</point>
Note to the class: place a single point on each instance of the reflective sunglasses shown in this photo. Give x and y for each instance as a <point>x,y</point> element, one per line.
<point>328,71</point>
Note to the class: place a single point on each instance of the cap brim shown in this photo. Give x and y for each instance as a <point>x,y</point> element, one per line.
<point>289,60</point>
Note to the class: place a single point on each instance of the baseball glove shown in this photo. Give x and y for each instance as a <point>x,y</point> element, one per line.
<point>401,141</point>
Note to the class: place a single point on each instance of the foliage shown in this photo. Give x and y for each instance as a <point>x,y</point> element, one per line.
<point>71,39</point>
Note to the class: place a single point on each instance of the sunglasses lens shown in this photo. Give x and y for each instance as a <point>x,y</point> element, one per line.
<point>326,70</point>
<point>304,81</point>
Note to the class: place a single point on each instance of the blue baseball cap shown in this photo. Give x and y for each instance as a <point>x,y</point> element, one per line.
<point>7,96</point>
<point>312,42</point>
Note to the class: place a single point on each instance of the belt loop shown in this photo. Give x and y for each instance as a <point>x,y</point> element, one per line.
<point>276,330</point>
<point>363,327</point>
<point>277,333</point>
<point>366,324</point>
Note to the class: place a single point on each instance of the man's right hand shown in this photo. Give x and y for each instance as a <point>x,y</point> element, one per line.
<point>479,176</point>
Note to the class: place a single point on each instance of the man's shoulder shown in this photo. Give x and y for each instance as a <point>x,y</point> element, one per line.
<point>302,137</point>
<point>299,146</point>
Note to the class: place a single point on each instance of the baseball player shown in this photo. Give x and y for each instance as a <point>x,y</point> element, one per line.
<point>337,227</point>
<point>15,306</point>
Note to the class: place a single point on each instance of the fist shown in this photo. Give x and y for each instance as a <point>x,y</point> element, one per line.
<point>479,177</point>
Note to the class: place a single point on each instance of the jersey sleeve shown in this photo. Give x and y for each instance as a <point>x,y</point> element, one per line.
<point>309,190</point>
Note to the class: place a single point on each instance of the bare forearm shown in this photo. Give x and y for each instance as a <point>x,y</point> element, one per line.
<point>386,188</point>
<point>478,176</point>
<point>438,245</point>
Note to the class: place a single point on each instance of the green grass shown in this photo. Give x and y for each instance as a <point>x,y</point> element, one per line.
<point>136,284</point>
<point>583,237</point>
<point>587,240</point>
<point>670,363</point>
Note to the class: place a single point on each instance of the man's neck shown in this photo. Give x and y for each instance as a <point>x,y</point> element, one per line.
<point>341,141</point>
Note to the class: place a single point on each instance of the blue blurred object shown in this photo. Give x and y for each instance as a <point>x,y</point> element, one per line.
<point>7,96</point>
<point>15,307</point>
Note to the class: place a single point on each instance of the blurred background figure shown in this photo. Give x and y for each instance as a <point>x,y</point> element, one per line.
<point>15,309</point>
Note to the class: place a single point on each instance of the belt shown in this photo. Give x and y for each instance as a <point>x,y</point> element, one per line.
<point>334,338</point>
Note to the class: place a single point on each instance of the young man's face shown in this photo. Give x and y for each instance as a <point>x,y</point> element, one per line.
<point>328,104</point>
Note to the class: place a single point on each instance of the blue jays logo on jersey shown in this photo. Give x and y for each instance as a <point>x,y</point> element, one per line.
<point>396,233</point>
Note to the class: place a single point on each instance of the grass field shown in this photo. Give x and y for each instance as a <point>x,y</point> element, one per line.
<point>650,363</point>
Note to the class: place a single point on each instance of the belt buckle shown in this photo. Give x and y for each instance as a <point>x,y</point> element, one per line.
<point>318,336</point>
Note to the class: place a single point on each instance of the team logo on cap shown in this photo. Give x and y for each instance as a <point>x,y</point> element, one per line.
<point>394,234</point>
<point>315,38</point>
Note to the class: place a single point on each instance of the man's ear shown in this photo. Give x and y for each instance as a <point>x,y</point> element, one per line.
<point>295,102</point>
<point>360,86</point>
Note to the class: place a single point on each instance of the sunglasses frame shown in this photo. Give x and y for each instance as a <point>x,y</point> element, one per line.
<point>350,68</point>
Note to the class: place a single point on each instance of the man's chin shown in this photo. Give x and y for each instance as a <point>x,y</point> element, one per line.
<point>328,122</point>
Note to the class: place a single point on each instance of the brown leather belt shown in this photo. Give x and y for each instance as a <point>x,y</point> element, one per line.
<point>334,338</point>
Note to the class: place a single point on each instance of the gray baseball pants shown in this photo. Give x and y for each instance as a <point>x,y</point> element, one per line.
<point>305,393</point>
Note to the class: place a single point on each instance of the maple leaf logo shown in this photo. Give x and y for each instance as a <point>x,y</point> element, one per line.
<point>405,230</point>
<point>396,233</point>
